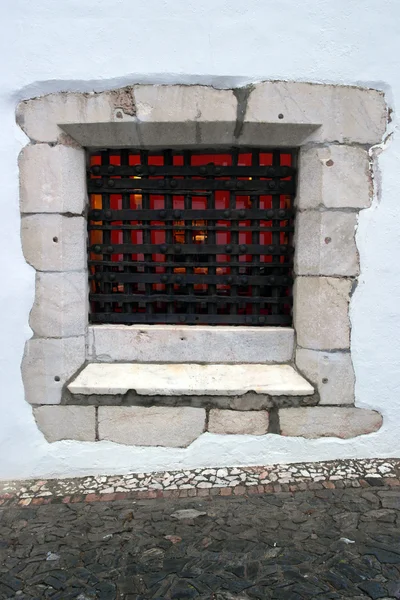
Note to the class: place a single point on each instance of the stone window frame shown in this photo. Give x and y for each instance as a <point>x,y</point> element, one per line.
<point>334,128</point>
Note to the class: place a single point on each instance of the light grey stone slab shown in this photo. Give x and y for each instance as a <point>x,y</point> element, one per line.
<point>48,364</point>
<point>334,176</point>
<point>238,422</point>
<point>148,115</point>
<point>325,243</point>
<point>188,513</point>
<point>66,422</point>
<point>54,242</point>
<point>42,118</point>
<point>305,112</point>
<point>121,134</point>
<point>328,421</point>
<point>331,372</point>
<point>52,179</point>
<point>61,304</point>
<point>189,379</point>
<point>153,426</point>
<point>182,343</point>
<point>185,115</point>
<point>321,312</point>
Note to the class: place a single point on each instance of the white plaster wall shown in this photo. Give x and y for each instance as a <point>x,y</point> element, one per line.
<point>97,44</point>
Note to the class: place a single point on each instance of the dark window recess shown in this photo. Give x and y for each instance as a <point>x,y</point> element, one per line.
<point>191,237</point>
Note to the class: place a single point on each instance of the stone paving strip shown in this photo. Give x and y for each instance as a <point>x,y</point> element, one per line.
<point>204,482</point>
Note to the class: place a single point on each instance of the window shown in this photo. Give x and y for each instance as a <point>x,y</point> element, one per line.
<point>191,237</point>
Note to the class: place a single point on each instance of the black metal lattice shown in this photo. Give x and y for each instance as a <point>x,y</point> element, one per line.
<point>191,237</point>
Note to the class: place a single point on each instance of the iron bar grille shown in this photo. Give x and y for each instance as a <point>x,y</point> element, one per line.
<point>191,237</point>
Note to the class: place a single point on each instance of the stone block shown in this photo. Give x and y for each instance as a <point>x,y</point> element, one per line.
<point>184,115</point>
<point>180,379</point>
<point>335,177</point>
<point>61,305</point>
<point>238,422</point>
<point>290,113</point>
<point>328,421</point>
<point>325,243</point>
<point>149,115</point>
<point>321,312</point>
<point>185,344</point>
<point>54,242</point>
<point>331,372</point>
<point>154,426</point>
<point>66,422</point>
<point>48,364</point>
<point>52,179</point>
<point>43,119</point>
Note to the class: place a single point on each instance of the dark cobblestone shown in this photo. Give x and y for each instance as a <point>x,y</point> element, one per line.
<point>327,543</point>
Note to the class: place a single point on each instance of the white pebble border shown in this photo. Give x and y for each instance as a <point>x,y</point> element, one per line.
<point>300,473</point>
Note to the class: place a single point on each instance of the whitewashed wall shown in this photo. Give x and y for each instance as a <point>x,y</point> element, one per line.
<point>49,46</point>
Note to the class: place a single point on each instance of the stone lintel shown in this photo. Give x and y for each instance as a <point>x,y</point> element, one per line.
<point>331,112</point>
<point>268,113</point>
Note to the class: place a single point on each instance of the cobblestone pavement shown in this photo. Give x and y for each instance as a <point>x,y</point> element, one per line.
<point>326,543</point>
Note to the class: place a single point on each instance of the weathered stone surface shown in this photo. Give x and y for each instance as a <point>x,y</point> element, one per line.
<point>300,112</point>
<point>325,243</point>
<point>185,115</point>
<point>390,499</point>
<point>335,177</point>
<point>157,115</point>
<point>316,421</point>
<point>52,179</point>
<point>154,426</point>
<point>321,312</point>
<point>54,242</point>
<point>66,422</point>
<point>382,514</point>
<point>331,372</point>
<point>189,379</point>
<point>41,118</point>
<point>200,344</point>
<point>238,422</point>
<point>188,513</point>
<point>48,364</point>
<point>278,113</point>
<point>61,305</point>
